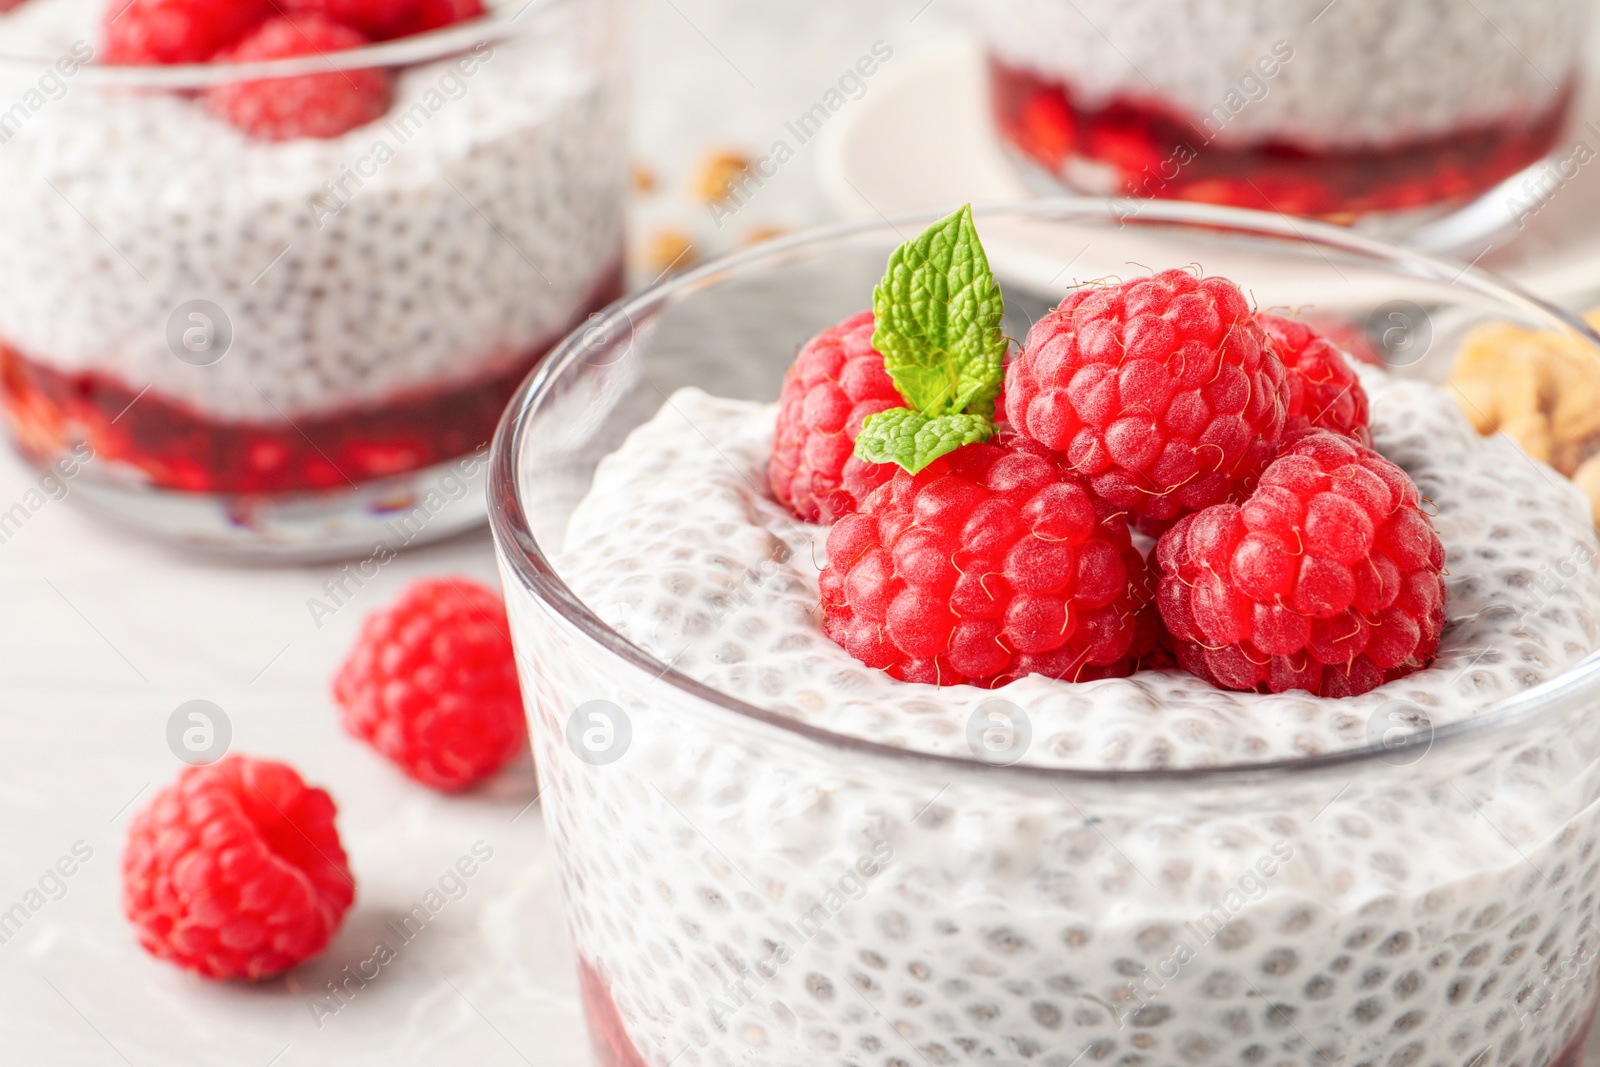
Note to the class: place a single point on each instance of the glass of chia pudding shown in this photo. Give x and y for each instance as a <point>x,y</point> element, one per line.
<point>1114,833</point>
<point>1358,109</point>
<point>272,272</point>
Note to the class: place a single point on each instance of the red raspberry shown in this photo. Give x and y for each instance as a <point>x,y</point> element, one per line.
<point>835,383</point>
<point>236,871</point>
<point>1324,392</point>
<point>432,684</point>
<point>1326,579</point>
<point>176,31</point>
<point>1161,391</point>
<point>308,105</point>
<point>989,564</point>
<point>383,20</point>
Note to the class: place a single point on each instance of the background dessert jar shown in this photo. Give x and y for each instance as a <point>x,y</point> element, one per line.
<point>269,303</point>
<point>1397,113</point>
<point>772,854</point>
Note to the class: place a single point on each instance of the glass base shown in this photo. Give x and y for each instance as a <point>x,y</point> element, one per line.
<point>1441,229</point>
<point>165,442</point>
<point>1424,190</point>
<point>371,519</point>
<point>403,472</point>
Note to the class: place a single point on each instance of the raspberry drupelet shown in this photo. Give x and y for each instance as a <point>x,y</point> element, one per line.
<point>834,384</point>
<point>1162,392</point>
<point>432,684</point>
<point>236,870</point>
<point>1324,393</point>
<point>1327,578</point>
<point>989,564</point>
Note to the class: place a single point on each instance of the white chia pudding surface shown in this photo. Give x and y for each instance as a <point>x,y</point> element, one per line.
<point>680,546</point>
<point>1437,65</point>
<point>430,248</point>
<point>751,897</point>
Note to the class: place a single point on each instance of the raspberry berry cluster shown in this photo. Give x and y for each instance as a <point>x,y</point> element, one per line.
<point>977,542</point>
<point>327,104</point>
<point>236,869</point>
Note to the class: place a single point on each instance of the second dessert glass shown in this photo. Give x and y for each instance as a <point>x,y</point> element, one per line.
<point>743,888</point>
<point>1394,114</point>
<point>299,348</point>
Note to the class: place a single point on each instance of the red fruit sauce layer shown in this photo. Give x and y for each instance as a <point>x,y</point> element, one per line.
<point>176,448</point>
<point>1572,1055</point>
<point>607,1037</point>
<point>1158,153</point>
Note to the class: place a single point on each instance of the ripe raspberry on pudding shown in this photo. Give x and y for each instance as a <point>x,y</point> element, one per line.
<point>176,31</point>
<point>382,20</point>
<point>988,564</point>
<point>984,562</point>
<point>836,382</point>
<point>1324,393</point>
<point>308,105</point>
<point>236,870</point>
<point>976,562</point>
<point>432,684</point>
<point>1162,392</point>
<point>1327,578</point>
<point>278,109</point>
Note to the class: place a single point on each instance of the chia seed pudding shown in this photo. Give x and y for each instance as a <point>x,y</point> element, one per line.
<point>1037,929</point>
<point>772,854</point>
<point>222,314</point>
<point>1277,110</point>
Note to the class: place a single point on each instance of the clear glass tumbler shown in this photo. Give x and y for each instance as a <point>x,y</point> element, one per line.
<point>299,348</point>
<point>1398,113</point>
<point>744,888</point>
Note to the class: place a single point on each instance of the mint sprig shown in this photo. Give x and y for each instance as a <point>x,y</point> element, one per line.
<point>938,314</point>
<point>914,440</point>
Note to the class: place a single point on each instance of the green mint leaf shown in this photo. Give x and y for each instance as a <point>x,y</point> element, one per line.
<point>938,320</point>
<point>913,440</point>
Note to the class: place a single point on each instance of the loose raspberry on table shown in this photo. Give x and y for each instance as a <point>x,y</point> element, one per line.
<point>1324,392</point>
<point>236,871</point>
<point>176,31</point>
<point>432,684</point>
<point>307,105</point>
<point>989,564</point>
<point>1162,392</point>
<point>384,20</point>
<point>1327,578</point>
<point>834,384</point>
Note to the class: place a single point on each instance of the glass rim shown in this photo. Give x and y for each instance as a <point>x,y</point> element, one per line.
<point>495,25</point>
<point>517,547</point>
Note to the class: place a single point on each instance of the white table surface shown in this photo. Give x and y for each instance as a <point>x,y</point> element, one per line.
<point>102,637</point>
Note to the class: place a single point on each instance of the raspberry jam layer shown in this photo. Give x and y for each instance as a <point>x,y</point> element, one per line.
<point>171,446</point>
<point>607,1036</point>
<point>1157,153</point>
<point>1572,1055</point>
